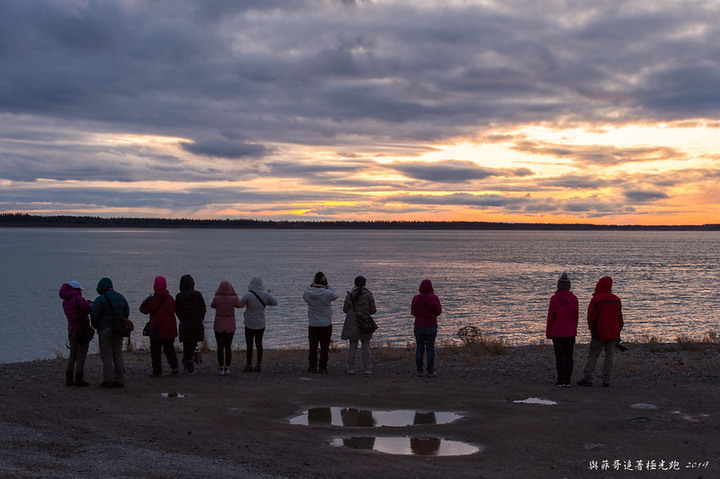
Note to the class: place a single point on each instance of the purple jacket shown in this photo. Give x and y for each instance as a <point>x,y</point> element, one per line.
<point>75,306</point>
<point>562,319</point>
<point>426,306</point>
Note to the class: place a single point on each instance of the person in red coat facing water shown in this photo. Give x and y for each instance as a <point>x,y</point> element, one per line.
<point>562,321</point>
<point>163,326</point>
<point>425,307</point>
<point>605,321</point>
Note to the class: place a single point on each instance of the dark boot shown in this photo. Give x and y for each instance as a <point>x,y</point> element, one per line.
<point>80,380</point>
<point>69,378</point>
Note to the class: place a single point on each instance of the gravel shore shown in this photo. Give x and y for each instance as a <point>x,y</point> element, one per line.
<point>661,411</point>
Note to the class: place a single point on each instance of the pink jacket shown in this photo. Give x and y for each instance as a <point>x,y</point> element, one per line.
<point>224,303</point>
<point>562,320</point>
<point>426,306</point>
<point>75,306</point>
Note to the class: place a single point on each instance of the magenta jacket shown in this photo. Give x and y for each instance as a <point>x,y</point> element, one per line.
<point>224,303</point>
<point>161,308</point>
<point>426,306</point>
<point>562,319</point>
<point>75,306</point>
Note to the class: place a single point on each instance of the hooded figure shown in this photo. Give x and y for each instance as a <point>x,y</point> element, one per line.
<point>319,297</point>
<point>425,307</point>
<point>255,301</point>
<point>224,303</point>
<point>162,326</point>
<point>76,310</point>
<point>605,320</point>
<point>190,310</point>
<point>110,344</point>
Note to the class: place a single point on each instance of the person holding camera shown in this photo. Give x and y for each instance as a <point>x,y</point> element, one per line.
<point>605,321</point>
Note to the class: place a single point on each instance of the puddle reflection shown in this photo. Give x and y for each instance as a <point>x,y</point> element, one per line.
<point>408,446</point>
<point>352,417</point>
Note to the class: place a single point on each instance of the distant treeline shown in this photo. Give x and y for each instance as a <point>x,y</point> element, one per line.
<point>26,220</point>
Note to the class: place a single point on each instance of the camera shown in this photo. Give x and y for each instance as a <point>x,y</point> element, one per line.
<point>621,346</point>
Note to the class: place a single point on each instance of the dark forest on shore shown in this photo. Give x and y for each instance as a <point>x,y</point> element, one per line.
<point>67,221</point>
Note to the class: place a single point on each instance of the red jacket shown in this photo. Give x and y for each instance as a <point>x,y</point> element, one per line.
<point>161,308</point>
<point>604,314</point>
<point>425,306</point>
<point>562,319</point>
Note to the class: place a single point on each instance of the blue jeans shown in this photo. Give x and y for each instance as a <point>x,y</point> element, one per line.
<point>425,339</point>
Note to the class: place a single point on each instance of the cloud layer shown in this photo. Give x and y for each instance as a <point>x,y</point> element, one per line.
<point>512,110</point>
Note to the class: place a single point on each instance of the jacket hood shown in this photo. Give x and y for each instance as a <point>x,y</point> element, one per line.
<point>160,284</point>
<point>426,287</point>
<point>604,285</point>
<point>256,284</point>
<point>187,282</point>
<point>104,285</point>
<point>68,292</point>
<point>225,289</point>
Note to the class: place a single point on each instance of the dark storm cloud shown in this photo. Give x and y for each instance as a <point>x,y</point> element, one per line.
<point>643,196</point>
<point>453,171</point>
<point>227,149</point>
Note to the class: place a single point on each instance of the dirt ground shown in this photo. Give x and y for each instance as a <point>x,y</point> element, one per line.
<point>659,418</point>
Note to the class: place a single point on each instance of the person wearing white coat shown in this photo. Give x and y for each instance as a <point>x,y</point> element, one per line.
<point>255,301</point>
<point>319,297</point>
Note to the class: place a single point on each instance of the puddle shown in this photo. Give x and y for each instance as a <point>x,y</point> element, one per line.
<point>640,420</point>
<point>408,446</point>
<point>541,402</point>
<point>352,417</point>
<point>173,395</point>
<point>643,405</point>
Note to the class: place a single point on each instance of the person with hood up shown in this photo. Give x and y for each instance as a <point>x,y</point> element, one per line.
<point>108,302</point>
<point>162,328</point>
<point>255,301</point>
<point>358,300</point>
<point>224,304</point>
<point>76,309</point>
<point>605,321</point>
<point>425,307</point>
<point>319,297</point>
<point>562,321</point>
<point>190,309</point>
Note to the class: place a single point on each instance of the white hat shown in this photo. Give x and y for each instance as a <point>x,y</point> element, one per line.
<point>76,285</point>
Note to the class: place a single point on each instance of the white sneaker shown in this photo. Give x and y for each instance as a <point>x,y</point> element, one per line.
<point>351,371</point>
<point>221,371</point>
<point>227,371</point>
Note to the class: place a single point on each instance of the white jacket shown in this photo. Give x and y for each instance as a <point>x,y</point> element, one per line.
<point>318,298</point>
<point>254,309</point>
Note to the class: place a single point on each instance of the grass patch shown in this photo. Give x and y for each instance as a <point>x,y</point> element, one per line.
<point>710,341</point>
<point>476,343</point>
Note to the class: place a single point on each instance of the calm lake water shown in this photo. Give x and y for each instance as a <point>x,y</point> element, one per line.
<point>500,281</point>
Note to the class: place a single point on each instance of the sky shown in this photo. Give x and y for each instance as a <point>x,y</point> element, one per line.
<point>604,112</point>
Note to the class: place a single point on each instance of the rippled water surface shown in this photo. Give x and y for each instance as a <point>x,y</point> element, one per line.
<point>500,281</point>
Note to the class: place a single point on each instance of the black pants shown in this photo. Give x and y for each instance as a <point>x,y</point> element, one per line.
<point>188,354</point>
<point>157,347</point>
<point>224,348</point>
<point>564,358</point>
<point>254,335</point>
<point>319,335</point>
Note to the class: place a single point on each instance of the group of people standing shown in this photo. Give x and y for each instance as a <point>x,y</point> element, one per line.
<point>604,319</point>
<point>604,316</point>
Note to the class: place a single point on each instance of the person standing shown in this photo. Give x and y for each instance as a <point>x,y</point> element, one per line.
<point>162,327</point>
<point>106,305</point>
<point>562,321</point>
<point>255,301</point>
<point>224,303</point>
<point>319,297</point>
<point>605,321</point>
<point>190,309</point>
<point>425,307</point>
<point>358,301</point>
<point>76,310</point>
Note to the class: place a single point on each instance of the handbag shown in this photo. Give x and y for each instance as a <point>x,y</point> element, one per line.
<point>121,325</point>
<point>366,324</point>
<point>146,328</point>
